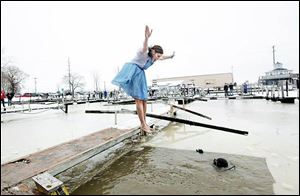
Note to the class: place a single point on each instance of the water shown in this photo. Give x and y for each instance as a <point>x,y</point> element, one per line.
<point>273,135</point>
<point>152,171</point>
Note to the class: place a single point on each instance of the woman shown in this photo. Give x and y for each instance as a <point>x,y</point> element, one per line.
<point>132,78</point>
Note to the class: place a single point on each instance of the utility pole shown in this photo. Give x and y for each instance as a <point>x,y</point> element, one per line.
<point>232,72</point>
<point>35,85</point>
<point>119,86</point>
<point>273,54</point>
<point>69,70</point>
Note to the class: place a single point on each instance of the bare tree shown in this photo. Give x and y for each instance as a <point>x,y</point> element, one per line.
<point>76,81</point>
<point>4,63</point>
<point>4,83</point>
<point>15,77</point>
<point>11,76</point>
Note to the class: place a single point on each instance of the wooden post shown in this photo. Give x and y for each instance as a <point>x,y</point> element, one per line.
<point>282,89</point>
<point>151,107</point>
<point>287,88</point>
<point>171,110</point>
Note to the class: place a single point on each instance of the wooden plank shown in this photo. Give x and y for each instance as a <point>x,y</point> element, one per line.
<point>58,158</point>
<point>179,120</point>
<point>190,111</point>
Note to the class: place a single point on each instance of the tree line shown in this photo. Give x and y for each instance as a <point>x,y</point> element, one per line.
<point>13,78</point>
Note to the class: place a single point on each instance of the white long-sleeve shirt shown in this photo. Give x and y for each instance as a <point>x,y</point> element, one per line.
<point>141,58</point>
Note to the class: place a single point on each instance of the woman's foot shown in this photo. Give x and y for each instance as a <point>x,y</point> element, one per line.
<point>146,129</point>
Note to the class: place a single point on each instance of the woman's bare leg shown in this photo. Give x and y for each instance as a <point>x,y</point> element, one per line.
<point>145,110</point>
<point>141,114</point>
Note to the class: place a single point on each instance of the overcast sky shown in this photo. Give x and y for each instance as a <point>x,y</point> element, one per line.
<point>99,37</point>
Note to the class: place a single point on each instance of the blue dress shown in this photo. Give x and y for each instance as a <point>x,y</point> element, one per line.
<point>132,79</point>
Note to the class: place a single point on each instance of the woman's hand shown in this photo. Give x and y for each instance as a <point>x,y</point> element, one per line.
<point>147,32</point>
<point>173,54</point>
<point>163,57</point>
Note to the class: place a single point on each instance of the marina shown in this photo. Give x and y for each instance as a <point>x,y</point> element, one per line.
<point>196,103</point>
<point>263,139</point>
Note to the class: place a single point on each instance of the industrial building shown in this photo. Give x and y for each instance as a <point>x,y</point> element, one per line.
<point>202,81</point>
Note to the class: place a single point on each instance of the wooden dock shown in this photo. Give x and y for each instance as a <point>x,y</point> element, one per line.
<point>61,157</point>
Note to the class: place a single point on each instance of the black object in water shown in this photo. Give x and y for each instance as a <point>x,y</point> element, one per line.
<point>199,150</point>
<point>220,162</point>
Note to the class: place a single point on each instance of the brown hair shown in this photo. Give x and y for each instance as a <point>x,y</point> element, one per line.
<point>156,48</point>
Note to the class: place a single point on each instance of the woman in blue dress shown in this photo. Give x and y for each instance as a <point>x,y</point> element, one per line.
<point>132,78</point>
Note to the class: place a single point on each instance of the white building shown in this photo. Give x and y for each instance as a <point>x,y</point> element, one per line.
<point>278,74</point>
<point>202,81</point>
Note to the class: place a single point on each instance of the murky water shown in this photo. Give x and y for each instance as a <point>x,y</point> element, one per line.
<point>152,171</point>
<point>273,135</point>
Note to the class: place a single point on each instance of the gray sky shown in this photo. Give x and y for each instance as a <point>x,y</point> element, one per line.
<point>99,37</point>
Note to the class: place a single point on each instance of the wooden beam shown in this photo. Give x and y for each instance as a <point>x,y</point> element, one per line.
<point>179,120</point>
<point>190,111</point>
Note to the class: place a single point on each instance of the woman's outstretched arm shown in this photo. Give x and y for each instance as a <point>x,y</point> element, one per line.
<point>164,57</point>
<point>147,35</point>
